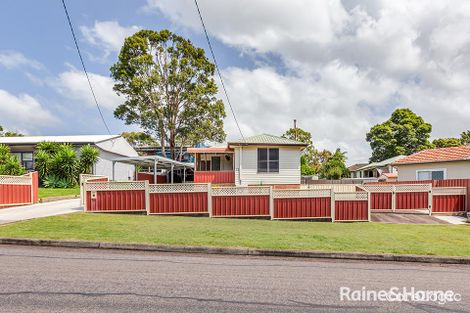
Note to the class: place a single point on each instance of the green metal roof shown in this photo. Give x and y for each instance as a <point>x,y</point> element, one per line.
<point>265,139</point>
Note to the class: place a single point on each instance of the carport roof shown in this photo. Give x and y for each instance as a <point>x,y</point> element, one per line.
<point>150,160</point>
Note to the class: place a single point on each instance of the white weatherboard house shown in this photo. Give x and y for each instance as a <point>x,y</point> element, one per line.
<point>109,146</point>
<point>258,160</point>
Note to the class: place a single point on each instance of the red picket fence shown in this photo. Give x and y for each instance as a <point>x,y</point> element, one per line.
<point>302,204</point>
<point>18,190</point>
<point>352,207</point>
<point>179,199</point>
<point>240,201</point>
<point>115,196</point>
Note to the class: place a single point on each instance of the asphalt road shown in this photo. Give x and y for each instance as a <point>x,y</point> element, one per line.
<point>35,279</point>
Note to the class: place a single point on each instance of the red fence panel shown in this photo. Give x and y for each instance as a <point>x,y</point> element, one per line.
<point>351,210</point>
<point>224,177</point>
<point>141,176</point>
<point>448,203</point>
<point>293,208</point>
<point>178,203</point>
<point>247,205</point>
<point>411,200</point>
<point>381,200</point>
<point>115,200</point>
<point>15,194</point>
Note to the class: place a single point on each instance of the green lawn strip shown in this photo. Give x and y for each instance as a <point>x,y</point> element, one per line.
<point>445,240</point>
<point>57,192</point>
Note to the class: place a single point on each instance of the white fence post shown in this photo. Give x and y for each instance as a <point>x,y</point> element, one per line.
<point>394,198</point>
<point>368,206</point>
<point>147,197</point>
<point>271,202</point>
<point>209,199</point>
<point>332,198</point>
<point>430,200</point>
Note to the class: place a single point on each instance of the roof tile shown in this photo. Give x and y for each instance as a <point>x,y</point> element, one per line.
<point>460,153</point>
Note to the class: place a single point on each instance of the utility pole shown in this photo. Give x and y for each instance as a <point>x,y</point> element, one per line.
<point>295,129</point>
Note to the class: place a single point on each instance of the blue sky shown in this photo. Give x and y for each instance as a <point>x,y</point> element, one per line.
<point>338,67</point>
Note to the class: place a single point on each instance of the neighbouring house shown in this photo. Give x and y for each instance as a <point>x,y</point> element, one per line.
<point>109,146</point>
<point>441,163</point>
<point>353,170</point>
<point>257,160</point>
<point>375,170</point>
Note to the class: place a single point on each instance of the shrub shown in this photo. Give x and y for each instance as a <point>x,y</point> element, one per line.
<point>53,181</point>
<point>9,164</point>
<point>59,165</point>
<point>88,157</point>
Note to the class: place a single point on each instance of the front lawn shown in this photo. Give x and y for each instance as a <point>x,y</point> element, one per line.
<point>57,192</point>
<point>447,240</point>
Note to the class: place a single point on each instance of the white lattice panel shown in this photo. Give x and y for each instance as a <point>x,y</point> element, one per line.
<point>443,191</point>
<point>240,191</point>
<point>347,196</point>
<point>15,180</point>
<point>377,188</point>
<point>168,188</point>
<point>85,177</point>
<point>335,187</point>
<point>301,193</point>
<point>115,185</point>
<point>413,188</point>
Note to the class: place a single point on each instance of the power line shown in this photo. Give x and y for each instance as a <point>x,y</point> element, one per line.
<point>84,68</point>
<point>217,68</point>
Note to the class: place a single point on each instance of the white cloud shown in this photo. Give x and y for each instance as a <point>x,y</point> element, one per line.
<point>23,113</point>
<point>13,59</point>
<point>73,85</point>
<point>108,35</point>
<point>345,64</point>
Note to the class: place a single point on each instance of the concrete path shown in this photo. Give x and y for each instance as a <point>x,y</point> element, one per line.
<point>457,220</point>
<point>27,212</point>
<point>37,279</point>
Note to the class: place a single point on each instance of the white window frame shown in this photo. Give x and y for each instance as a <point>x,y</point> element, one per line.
<point>444,170</point>
<point>267,164</point>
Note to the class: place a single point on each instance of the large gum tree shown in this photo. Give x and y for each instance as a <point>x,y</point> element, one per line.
<point>169,90</point>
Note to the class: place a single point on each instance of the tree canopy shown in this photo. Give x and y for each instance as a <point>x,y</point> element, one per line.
<point>446,142</point>
<point>403,133</point>
<point>169,89</point>
<point>334,167</point>
<point>139,139</point>
<point>4,133</point>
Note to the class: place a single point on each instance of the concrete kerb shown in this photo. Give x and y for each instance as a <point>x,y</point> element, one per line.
<point>237,251</point>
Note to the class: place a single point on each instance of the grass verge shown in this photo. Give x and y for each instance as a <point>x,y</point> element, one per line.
<point>57,192</point>
<point>443,240</point>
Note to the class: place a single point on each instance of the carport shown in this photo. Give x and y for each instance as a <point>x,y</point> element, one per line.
<point>155,162</point>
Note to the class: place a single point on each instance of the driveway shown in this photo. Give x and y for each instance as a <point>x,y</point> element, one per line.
<point>406,218</point>
<point>27,212</point>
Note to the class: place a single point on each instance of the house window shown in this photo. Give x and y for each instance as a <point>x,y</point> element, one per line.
<point>268,160</point>
<point>26,159</point>
<point>438,174</point>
